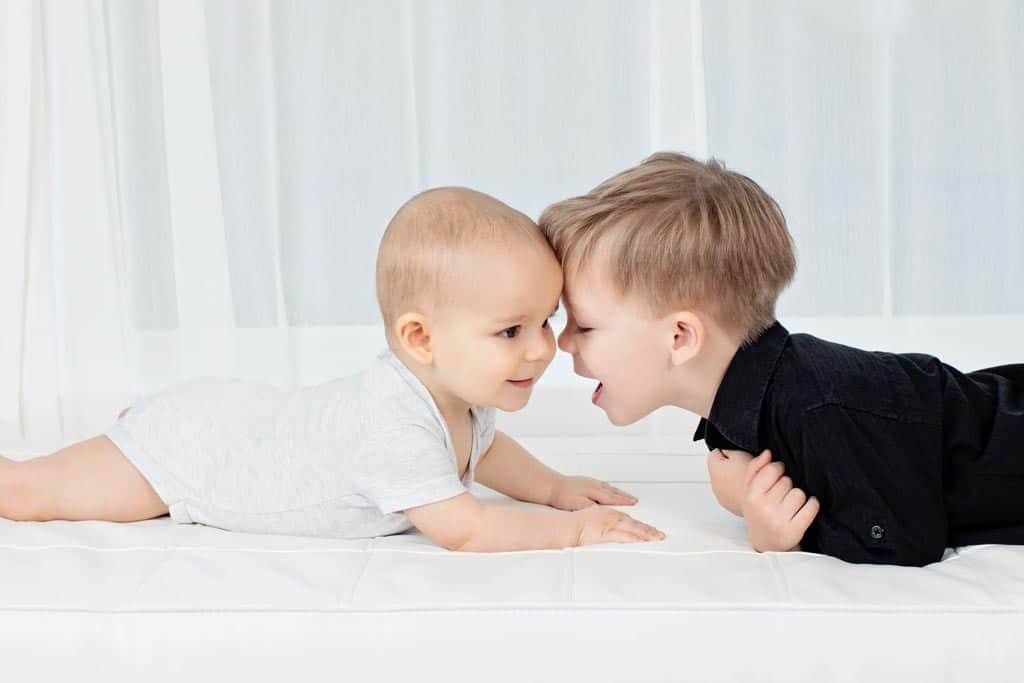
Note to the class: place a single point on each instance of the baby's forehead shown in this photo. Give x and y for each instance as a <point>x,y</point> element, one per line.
<point>507,279</point>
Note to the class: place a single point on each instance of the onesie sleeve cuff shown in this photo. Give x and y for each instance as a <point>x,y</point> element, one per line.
<point>434,491</point>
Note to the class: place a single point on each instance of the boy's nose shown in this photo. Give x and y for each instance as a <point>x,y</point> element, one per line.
<point>565,340</point>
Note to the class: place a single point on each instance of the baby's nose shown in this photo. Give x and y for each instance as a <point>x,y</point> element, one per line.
<point>542,349</point>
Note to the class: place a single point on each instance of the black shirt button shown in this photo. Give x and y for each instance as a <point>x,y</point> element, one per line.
<point>877,532</point>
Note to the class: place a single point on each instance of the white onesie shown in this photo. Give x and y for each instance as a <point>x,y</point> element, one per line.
<point>338,459</point>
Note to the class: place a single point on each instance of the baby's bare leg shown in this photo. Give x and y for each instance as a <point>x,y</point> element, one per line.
<point>91,479</point>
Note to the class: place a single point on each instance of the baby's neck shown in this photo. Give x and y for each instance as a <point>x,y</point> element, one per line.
<point>451,406</point>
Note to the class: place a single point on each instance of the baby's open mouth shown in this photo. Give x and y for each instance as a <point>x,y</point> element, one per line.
<point>521,383</point>
<point>597,392</point>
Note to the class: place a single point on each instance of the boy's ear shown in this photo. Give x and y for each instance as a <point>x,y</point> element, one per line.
<point>687,336</point>
<point>413,333</point>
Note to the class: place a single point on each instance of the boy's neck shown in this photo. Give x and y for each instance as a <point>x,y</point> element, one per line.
<point>698,384</point>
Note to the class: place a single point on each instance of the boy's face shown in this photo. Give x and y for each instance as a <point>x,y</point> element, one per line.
<point>495,342</point>
<point>613,340</point>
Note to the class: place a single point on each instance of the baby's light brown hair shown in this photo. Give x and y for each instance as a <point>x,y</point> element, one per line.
<point>675,233</point>
<point>420,255</point>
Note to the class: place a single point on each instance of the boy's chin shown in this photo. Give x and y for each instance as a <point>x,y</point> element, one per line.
<point>620,419</point>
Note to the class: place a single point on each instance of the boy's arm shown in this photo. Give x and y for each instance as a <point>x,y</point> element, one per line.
<point>862,516</point>
<point>509,468</point>
<point>882,496</point>
<point>464,523</point>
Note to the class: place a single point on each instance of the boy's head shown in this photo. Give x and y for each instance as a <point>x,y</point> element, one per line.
<point>466,285</point>
<point>660,261</point>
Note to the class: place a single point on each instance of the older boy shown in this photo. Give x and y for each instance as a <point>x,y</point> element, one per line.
<point>672,270</point>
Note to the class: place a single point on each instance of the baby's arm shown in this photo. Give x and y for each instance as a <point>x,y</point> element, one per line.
<point>464,523</point>
<point>508,468</point>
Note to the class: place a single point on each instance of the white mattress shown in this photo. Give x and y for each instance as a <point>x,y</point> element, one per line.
<point>156,601</point>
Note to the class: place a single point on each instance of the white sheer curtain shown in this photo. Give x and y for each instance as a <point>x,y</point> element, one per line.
<point>193,188</point>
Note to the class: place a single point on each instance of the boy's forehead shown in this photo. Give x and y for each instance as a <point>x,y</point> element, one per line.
<point>582,286</point>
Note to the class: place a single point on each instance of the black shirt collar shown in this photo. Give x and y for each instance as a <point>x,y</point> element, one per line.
<point>736,411</point>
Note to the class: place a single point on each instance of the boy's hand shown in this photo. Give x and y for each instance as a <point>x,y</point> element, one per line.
<point>776,512</point>
<point>576,493</point>
<point>605,525</point>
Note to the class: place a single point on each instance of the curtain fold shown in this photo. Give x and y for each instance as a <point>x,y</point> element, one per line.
<point>66,328</point>
<point>16,125</point>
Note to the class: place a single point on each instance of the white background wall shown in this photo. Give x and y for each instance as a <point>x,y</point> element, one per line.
<point>194,188</point>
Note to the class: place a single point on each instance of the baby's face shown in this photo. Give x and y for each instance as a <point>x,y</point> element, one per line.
<point>614,341</point>
<point>728,470</point>
<point>495,342</point>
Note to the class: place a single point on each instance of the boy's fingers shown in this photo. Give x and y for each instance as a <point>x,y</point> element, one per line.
<point>766,478</point>
<point>757,464</point>
<point>793,501</point>
<point>807,513</point>
<point>780,488</point>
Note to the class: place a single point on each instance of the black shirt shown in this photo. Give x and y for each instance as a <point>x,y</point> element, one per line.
<point>906,454</point>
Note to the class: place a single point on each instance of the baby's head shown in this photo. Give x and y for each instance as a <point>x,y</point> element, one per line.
<point>466,285</point>
<point>666,264</point>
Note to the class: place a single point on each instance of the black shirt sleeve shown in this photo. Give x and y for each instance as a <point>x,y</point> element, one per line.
<point>879,485</point>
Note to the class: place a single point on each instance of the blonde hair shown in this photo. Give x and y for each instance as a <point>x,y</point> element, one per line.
<point>419,255</point>
<point>675,232</point>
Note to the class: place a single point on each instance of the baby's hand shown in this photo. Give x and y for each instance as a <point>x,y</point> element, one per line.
<point>606,525</point>
<point>576,493</point>
<point>776,512</point>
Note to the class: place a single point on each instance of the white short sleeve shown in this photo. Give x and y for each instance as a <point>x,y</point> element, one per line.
<point>406,467</point>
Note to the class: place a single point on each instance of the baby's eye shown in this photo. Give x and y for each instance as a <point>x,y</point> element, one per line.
<point>582,330</point>
<point>510,332</point>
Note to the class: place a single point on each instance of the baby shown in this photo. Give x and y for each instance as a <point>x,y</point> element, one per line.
<point>466,286</point>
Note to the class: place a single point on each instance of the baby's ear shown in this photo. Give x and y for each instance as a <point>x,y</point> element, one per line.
<point>687,336</point>
<point>413,332</point>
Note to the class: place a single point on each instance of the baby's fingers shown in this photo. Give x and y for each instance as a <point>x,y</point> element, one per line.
<point>617,536</point>
<point>609,495</point>
<point>643,532</point>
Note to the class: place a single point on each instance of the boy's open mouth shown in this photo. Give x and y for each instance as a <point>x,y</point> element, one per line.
<point>597,392</point>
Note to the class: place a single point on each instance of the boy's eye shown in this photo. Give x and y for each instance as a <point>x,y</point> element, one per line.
<point>510,332</point>
<point>582,330</point>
